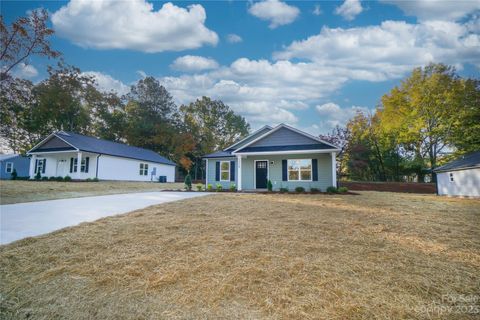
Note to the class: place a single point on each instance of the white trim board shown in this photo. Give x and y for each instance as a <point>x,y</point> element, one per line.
<point>287,152</point>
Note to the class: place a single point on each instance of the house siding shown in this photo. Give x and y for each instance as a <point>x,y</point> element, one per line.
<point>117,168</point>
<point>284,137</point>
<point>211,173</point>
<point>465,183</point>
<point>275,171</point>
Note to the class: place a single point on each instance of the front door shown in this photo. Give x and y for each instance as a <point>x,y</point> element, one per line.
<point>62,168</point>
<point>261,174</point>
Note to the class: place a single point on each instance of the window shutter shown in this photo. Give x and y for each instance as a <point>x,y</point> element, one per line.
<point>284,170</point>
<point>232,170</point>
<point>87,160</point>
<point>217,171</point>
<point>314,169</point>
<point>71,165</point>
<point>36,166</point>
<point>44,165</point>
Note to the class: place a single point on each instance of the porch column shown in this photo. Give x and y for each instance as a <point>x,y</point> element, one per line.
<point>334,169</point>
<point>31,170</point>
<point>206,174</point>
<point>79,165</point>
<point>239,174</point>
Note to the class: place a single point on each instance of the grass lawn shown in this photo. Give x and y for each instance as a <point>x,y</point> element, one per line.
<point>372,256</point>
<point>27,191</point>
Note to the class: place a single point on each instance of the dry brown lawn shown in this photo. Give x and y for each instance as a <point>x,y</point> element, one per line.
<point>27,191</point>
<point>251,256</point>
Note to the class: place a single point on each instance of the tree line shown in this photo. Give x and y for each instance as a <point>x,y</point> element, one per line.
<point>431,117</point>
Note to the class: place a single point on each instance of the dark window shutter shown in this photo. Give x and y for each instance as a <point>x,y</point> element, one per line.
<point>284,170</point>
<point>87,160</point>
<point>232,170</point>
<point>71,165</point>
<point>36,166</point>
<point>314,169</point>
<point>217,171</point>
<point>44,165</point>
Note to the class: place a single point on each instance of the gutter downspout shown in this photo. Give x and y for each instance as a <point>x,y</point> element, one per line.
<point>96,167</point>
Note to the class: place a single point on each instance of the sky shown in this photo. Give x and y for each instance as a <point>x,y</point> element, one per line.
<point>310,64</point>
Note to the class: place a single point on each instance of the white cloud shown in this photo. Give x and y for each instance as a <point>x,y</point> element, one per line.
<point>134,25</point>
<point>389,50</point>
<point>193,63</point>
<point>107,83</point>
<point>317,10</point>
<point>331,114</point>
<point>437,9</point>
<point>277,12</point>
<point>234,38</point>
<point>349,9</point>
<point>25,71</point>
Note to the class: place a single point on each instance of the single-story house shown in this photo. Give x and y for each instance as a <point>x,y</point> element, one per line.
<point>9,162</point>
<point>80,157</point>
<point>460,177</point>
<point>286,156</point>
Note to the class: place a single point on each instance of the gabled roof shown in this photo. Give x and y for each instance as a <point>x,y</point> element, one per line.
<point>321,143</point>
<point>237,144</point>
<point>471,160</point>
<point>91,144</point>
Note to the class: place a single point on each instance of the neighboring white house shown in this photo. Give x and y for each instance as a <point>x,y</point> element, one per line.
<point>81,157</point>
<point>460,177</point>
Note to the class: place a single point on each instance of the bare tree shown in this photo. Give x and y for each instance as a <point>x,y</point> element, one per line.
<point>25,37</point>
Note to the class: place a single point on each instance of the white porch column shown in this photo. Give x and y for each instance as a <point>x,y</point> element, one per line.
<point>31,170</point>
<point>78,174</point>
<point>206,174</point>
<point>334,169</point>
<point>239,187</point>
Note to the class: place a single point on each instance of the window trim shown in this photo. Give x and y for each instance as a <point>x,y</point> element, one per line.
<point>224,170</point>
<point>11,167</point>
<point>42,162</point>
<point>299,171</point>
<point>143,169</point>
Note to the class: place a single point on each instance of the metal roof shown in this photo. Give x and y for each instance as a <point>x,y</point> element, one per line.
<point>95,145</point>
<point>219,154</point>
<point>8,156</point>
<point>471,160</point>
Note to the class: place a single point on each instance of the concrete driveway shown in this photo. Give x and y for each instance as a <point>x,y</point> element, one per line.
<point>21,220</point>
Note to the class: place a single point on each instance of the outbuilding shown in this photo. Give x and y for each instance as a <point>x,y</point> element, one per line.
<point>460,177</point>
<point>82,157</point>
<point>11,162</point>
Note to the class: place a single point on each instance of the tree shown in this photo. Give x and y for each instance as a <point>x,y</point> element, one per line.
<point>429,110</point>
<point>213,125</point>
<point>25,37</point>
<point>340,137</point>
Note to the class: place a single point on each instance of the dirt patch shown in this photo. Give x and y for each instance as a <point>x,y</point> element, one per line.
<point>27,191</point>
<point>408,187</point>
<point>373,256</point>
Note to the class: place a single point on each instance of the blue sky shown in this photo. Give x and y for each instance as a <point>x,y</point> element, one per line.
<point>311,64</point>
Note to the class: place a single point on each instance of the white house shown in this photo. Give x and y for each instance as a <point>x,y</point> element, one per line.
<point>81,157</point>
<point>460,177</point>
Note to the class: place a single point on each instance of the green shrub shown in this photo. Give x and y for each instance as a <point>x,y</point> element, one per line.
<point>332,189</point>
<point>199,187</point>
<point>44,178</point>
<point>14,174</point>
<point>233,187</point>
<point>314,190</point>
<point>219,187</point>
<point>342,189</point>
<point>59,179</point>
<point>38,176</point>
<point>283,190</point>
<point>209,187</point>
<point>95,179</point>
<point>299,189</point>
<point>67,178</point>
<point>52,178</point>
<point>188,182</point>
<point>269,185</point>
<point>88,180</point>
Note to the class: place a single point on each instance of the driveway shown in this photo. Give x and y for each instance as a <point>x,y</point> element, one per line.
<point>21,220</point>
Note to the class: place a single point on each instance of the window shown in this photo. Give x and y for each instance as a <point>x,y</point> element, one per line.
<point>224,170</point>
<point>41,166</point>
<point>9,167</point>
<point>300,170</point>
<point>451,177</point>
<point>143,169</point>
<point>83,165</point>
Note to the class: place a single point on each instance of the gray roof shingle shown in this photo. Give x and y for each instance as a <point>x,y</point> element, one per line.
<point>471,160</point>
<point>95,145</point>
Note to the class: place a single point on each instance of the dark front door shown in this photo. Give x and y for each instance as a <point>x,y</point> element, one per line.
<point>261,172</point>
